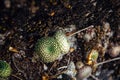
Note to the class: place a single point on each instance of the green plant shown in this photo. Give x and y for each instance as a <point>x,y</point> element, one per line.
<point>50,48</point>
<point>5,69</point>
<point>63,43</point>
<point>92,57</point>
<point>47,49</point>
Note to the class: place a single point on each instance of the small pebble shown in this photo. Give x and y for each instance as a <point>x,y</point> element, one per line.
<point>79,65</point>
<point>7,3</point>
<point>2,39</point>
<point>71,71</point>
<point>45,67</point>
<point>115,51</point>
<point>84,72</point>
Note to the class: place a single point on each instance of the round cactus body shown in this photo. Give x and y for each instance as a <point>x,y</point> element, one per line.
<point>5,69</point>
<point>94,55</point>
<point>62,41</point>
<point>47,49</point>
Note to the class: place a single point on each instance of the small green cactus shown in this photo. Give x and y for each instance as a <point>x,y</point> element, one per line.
<point>92,57</point>
<point>62,41</point>
<point>47,49</point>
<point>50,48</point>
<point>5,69</point>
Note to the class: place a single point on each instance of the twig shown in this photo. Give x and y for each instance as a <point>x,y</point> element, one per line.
<point>52,66</point>
<point>16,65</point>
<point>54,76</point>
<point>63,67</point>
<point>18,68</point>
<point>80,31</point>
<point>16,77</point>
<point>118,58</point>
<point>95,78</point>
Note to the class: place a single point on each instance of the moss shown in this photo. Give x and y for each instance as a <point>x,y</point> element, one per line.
<point>5,69</point>
<point>48,49</point>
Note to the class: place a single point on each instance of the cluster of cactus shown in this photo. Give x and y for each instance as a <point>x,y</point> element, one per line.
<point>5,69</point>
<point>50,48</point>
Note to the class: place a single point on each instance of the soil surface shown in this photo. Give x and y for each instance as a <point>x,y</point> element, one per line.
<point>23,22</point>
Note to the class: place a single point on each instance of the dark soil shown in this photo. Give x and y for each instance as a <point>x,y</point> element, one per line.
<point>23,22</point>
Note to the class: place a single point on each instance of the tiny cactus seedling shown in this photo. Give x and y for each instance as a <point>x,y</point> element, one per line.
<point>92,57</point>
<point>62,41</point>
<point>5,69</point>
<point>47,49</point>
